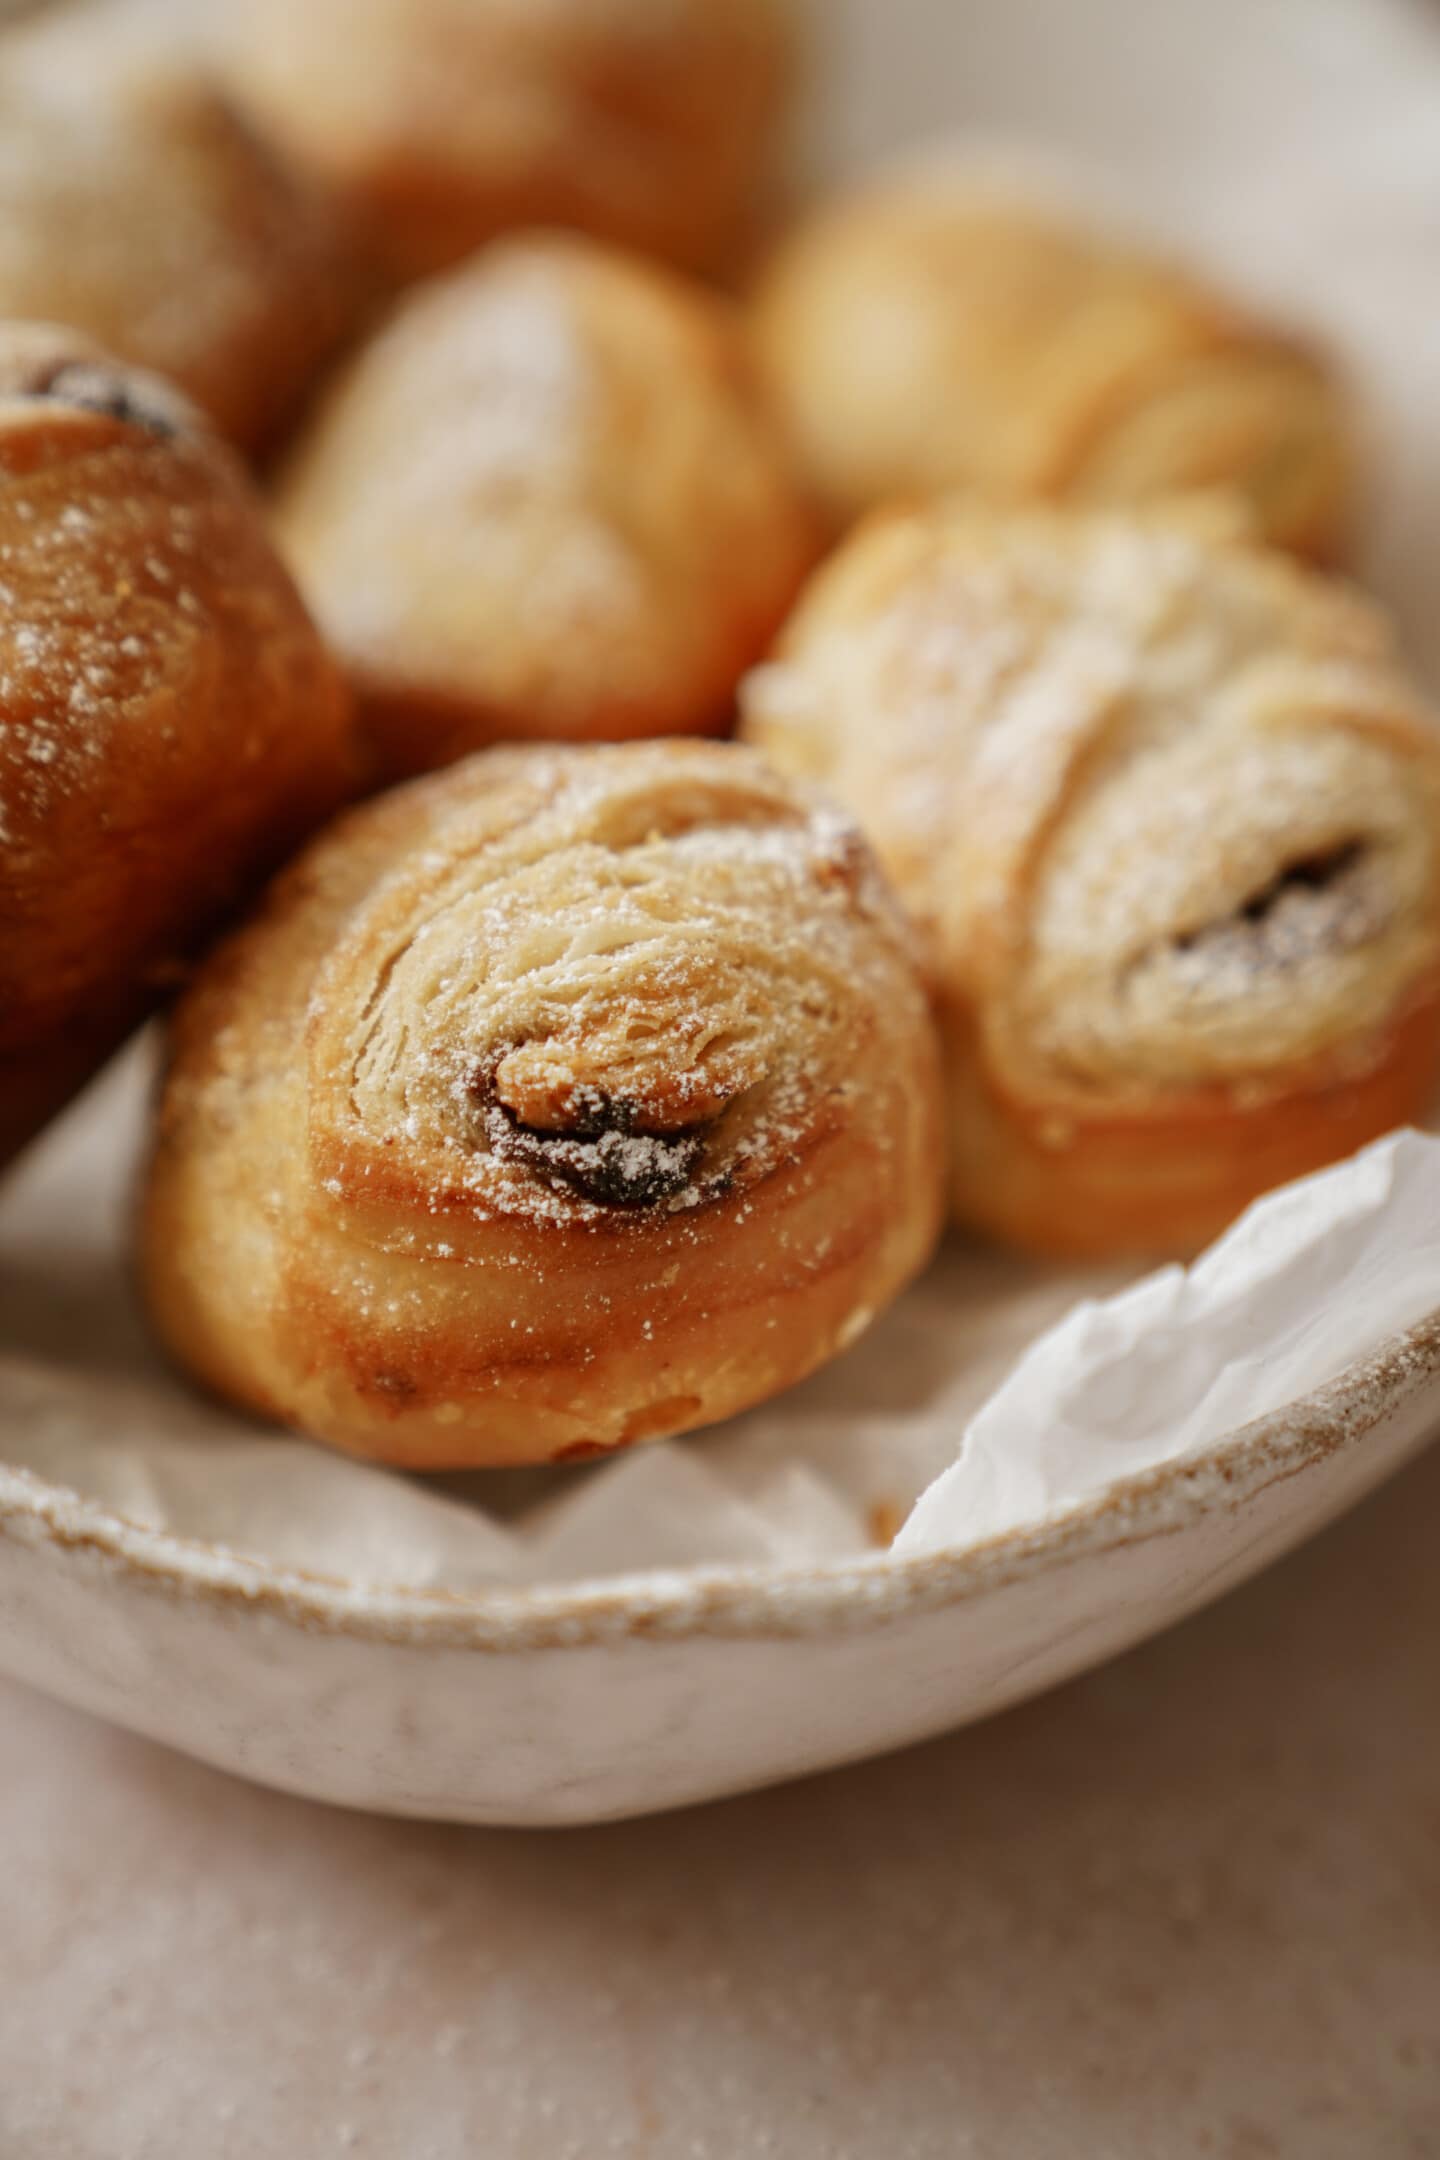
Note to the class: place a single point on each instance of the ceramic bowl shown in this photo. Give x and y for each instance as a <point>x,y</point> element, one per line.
<point>576,1705</point>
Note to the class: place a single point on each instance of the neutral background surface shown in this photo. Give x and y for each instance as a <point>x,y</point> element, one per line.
<point>1188,1906</point>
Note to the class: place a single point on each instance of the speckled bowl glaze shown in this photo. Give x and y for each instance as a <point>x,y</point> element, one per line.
<point>578,1705</point>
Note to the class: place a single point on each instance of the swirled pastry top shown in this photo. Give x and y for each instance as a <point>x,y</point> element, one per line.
<point>564,1099</point>
<point>444,122</point>
<point>568,985</point>
<point>136,206</point>
<point>1165,803</point>
<point>547,499</point>
<point>933,331</point>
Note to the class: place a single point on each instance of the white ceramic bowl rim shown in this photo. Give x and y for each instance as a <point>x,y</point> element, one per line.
<point>738,1601</point>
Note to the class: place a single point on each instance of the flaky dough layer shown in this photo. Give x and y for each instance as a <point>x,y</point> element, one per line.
<point>440,123</point>
<point>545,501</point>
<point>933,332</point>
<point>138,206</point>
<point>562,1100</point>
<point>1168,812</point>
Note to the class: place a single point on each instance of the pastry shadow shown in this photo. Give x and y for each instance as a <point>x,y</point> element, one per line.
<point>76,1308</point>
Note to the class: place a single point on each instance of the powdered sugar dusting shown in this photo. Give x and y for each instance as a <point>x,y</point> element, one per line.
<point>75,646</point>
<point>138,207</point>
<point>546,499</point>
<point>642,992</point>
<point>1086,744</point>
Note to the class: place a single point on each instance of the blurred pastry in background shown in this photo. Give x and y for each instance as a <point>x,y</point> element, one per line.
<point>1167,810</point>
<point>441,123</point>
<point>137,207</point>
<point>548,499</point>
<point>932,332</point>
<point>563,1100</point>
<point>170,723</point>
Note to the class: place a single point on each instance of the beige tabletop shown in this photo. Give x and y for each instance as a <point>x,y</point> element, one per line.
<point>1187,1906</point>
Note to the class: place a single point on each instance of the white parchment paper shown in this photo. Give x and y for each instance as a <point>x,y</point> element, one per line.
<point>1310,1278</point>
<point>1295,146</point>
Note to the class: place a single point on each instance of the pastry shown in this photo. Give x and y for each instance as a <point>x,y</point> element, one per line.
<point>1165,807</point>
<point>931,334</point>
<point>440,123</point>
<point>545,501</point>
<point>169,720</point>
<point>568,1098</point>
<point>137,207</point>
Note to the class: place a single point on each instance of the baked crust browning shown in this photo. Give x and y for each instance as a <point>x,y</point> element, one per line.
<point>442,123</point>
<point>932,333</point>
<point>1167,810</point>
<point>547,500</point>
<point>138,206</point>
<point>567,1098</point>
<point>170,723</point>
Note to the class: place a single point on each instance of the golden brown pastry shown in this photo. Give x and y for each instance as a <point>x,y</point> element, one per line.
<point>545,501</point>
<point>568,1098</point>
<point>928,333</point>
<point>137,207</point>
<point>169,720</point>
<point>440,123</point>
<point>1166,809</point>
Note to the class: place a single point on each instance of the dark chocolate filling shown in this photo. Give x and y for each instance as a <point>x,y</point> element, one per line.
<point>1312,873</point>
<point>606,1155</point>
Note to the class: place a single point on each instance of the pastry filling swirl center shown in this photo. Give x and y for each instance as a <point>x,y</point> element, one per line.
<point>1331,901</point>
<point>606,1154</point>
